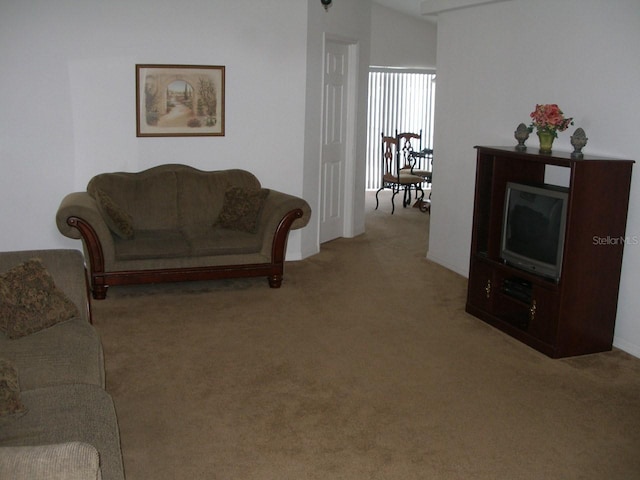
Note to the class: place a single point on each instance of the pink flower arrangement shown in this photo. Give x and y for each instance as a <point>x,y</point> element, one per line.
<point>549,118</point>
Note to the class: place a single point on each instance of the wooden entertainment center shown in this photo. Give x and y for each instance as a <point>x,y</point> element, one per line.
<point>574,315</point>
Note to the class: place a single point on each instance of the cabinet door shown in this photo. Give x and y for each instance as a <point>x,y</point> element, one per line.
<point>543,315</point>
<point>482,286</point>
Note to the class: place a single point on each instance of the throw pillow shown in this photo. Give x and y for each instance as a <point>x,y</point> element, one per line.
<point>30,300</point>
<point>118,221</point>
<point>10,402</point>
<point>241,208</point>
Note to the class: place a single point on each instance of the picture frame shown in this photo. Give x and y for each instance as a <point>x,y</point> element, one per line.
<point>180,100</point>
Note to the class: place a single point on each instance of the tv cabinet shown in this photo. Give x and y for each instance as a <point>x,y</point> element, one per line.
<point>574,315</point>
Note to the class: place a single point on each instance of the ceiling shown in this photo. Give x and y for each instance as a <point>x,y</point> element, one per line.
<point>415,8</point>
<point>408,7</point>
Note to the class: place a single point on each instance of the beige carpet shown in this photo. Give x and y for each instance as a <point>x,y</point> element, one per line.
<point>363,365</point>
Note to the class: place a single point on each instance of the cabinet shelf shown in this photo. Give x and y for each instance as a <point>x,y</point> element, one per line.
<point>575,314</point>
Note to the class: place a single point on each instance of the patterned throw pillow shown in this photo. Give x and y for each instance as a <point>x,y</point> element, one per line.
<point>10,402</point>
<point>30,300</point>
<point>241,208</point>
<point>118,221</point>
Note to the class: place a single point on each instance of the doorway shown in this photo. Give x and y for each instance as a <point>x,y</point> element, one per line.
<point>402,100</point>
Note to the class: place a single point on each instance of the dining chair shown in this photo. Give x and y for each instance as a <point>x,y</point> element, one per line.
<point>413,157</point>
<point>417,160</point>
<point>396,178</point>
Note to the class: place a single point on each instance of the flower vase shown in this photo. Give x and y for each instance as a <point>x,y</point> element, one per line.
<point>546,140</point>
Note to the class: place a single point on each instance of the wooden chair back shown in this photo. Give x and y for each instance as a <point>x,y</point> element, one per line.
<point>408,142</point>
<point>389,157</point>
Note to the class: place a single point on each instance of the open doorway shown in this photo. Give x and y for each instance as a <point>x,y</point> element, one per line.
<point>402,100</point>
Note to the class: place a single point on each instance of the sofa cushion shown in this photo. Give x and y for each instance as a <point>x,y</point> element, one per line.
<point>83,413</point>
<point>65,266</point>
<point>30,300</point>
<point>60,461</point>
<point>241,208</point>
<point>150,197</point>
<point>155,202</point>
<point>207,241</point>
<point>69,352</point>
<point>10,402</point>
<point>118,221</point>
<point>200,197</point>
<point>153,244</point>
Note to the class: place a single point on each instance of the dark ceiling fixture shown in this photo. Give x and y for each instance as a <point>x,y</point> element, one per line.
<point>326,3</point>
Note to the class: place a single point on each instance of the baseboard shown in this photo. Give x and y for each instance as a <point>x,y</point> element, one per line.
<point>628,347</point>
<point>448,266</point>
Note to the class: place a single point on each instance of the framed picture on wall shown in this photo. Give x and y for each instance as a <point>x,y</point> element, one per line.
<point>179,100</point>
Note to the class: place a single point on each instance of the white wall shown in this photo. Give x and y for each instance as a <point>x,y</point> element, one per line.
<point>494,64</point>
<point>399,40</point>
<point>67,71</point>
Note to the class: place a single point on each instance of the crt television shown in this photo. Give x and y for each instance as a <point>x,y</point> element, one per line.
<point>533,228</point>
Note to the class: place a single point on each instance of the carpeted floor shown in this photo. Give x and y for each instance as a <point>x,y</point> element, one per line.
<point>363,365</point>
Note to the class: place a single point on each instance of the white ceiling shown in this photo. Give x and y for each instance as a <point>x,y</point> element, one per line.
<point>408,7</point>
<point>428,9</point>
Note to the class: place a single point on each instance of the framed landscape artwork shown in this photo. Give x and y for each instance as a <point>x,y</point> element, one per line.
<point>179,100</point>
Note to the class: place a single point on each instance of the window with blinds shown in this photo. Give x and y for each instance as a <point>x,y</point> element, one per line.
<point>401,100</point>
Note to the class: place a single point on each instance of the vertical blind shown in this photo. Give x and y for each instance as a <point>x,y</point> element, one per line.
<point>398,100</point>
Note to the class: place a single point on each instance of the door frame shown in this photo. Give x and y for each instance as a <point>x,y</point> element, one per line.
<point>348,214</point>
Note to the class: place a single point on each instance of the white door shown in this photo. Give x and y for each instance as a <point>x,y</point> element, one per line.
<point>334,140</point>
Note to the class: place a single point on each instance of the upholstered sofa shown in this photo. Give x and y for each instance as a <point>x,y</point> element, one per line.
<point>176,223</point>
<point>56,419</point>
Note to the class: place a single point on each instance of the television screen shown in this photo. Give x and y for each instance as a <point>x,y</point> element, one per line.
<point>533,228</point>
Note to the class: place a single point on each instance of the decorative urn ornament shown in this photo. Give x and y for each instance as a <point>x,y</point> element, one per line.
<point>578,141</point>
<point>521,134</point>
<point>548,120</point>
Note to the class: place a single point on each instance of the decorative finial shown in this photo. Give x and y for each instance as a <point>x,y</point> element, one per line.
<point>578,140</point>
<point>521,134</point>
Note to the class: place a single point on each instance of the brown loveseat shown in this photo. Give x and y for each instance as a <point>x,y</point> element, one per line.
<point>175,223</point>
